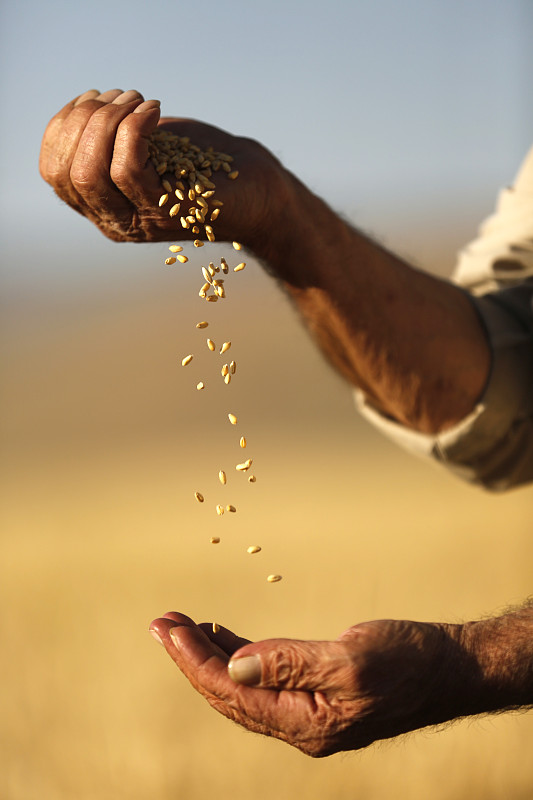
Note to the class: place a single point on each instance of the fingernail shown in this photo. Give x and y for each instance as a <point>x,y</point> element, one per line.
<point>156,636</point>
<point>111,94</point>
<point>147,105</point>
<point>126,97</point>
<point>173,635</point>
<point>91,94</point>
<point>245,670</point>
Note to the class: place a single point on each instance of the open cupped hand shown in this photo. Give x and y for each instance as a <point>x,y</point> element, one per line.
<point>377,680</point>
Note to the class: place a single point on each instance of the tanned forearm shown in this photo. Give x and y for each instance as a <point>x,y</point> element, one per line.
<point>503,649</point>
<point>412,342</point>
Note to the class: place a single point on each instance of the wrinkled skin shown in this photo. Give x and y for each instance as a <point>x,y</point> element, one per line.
<point>377,680</point>
<point>423,359</point>
<point>95,155</point>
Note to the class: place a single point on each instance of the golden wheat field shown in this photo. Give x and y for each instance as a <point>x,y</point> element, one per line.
<point>105,441</point>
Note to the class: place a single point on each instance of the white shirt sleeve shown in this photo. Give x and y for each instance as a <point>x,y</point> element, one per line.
<point>493,446</point>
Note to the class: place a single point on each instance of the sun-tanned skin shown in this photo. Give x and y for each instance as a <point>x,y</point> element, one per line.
<point>377,680</point>
<point>412,342</point>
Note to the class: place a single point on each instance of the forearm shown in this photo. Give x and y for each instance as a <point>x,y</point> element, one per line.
<point>424,674</point>
<point>503,650</point>
<point>412,342</point>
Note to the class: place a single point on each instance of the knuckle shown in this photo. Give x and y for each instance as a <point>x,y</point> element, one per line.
<point>286,667</point>
<point>119,172</point>
<point>125,173</point>
<point>82,175</point>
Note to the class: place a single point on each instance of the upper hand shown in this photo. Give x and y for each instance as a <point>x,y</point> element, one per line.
<point>377,680</point>
<point>95,155</point>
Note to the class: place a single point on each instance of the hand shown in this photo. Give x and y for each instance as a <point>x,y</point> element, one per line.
<point>95,155</point>
<point>377,680</point>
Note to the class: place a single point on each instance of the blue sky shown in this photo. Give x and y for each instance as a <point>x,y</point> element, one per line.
<point>388,109</point>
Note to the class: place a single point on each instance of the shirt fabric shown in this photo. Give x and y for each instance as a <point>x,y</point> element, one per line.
<point>492,446</point>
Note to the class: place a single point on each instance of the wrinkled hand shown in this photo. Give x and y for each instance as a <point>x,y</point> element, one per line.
<point>377,680</point>
<point>95,156</point>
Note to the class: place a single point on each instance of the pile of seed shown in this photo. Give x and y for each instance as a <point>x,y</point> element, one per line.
<point>186,172</point>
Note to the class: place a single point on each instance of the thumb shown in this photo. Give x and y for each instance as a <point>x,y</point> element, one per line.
<point>293,664</point>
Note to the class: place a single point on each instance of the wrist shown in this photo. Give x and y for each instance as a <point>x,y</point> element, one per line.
<point>300,233</point>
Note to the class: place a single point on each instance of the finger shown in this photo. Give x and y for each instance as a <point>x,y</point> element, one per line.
<point>224,638</point>
<point>55,125</point>
<point>290,716</point>
<point>292,664</point>
<point>53,131</point>
<point>127,97</point>
<point>109,95</point>
<point>91,94</point>
<point>90,170</point>
<point>202,662</point>
<point>60,143</point>
<point>131,170</point>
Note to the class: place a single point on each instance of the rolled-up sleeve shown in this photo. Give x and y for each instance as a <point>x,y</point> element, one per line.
<point>493,446</point>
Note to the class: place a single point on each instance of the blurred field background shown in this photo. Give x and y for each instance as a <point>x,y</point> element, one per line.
<point>105,438</point>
